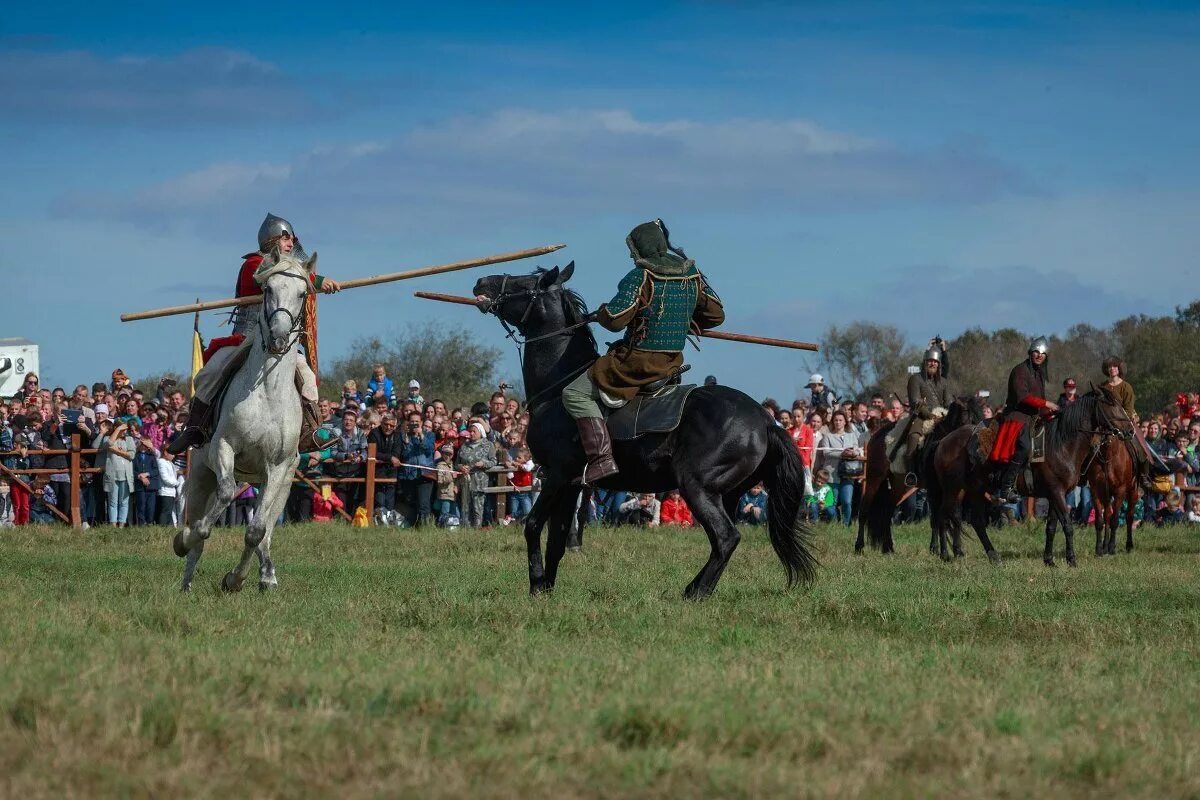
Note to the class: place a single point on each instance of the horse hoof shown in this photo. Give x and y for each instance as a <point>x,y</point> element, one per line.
<point>994,557</point>
<point>230,583</point>
<point>1071,561</point>
<point>263,586</point>
<point>538,589</point>
<point>575,549</point>
<point>1049,562</point>
<point>946,557</point>
<point>178,546</point>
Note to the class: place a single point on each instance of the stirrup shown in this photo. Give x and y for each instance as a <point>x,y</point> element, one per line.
<point>911,479</point>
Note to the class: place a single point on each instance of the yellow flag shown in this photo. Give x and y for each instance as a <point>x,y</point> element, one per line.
<point>197,352</point>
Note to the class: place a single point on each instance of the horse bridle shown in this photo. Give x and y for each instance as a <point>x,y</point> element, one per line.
<point>268,314</point>
<point>493,307</point>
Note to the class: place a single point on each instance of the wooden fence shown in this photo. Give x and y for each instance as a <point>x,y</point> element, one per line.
<point>76,470</point>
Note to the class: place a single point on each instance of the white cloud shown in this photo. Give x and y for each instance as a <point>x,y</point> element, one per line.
<point>516,163</point>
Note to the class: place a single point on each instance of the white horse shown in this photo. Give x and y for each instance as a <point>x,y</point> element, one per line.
<point>258,429</point>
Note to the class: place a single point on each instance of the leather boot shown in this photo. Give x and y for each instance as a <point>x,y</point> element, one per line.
<point>1004,493</point>
<point>193,435</point>
<point>312,436</point>
<point>598,448</point>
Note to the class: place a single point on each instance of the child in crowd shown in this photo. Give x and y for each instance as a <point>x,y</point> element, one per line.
<point>675,511</point>
<point>822,504</point>
<point>1194,509</point>
<point>520,502</point>
<point>44,499</point>
<point>642,510</point>
<point>1171,511</point>
<point>445,507</point>
<point>752,508</point>
<point>380,383</point>
<point>324,503</point>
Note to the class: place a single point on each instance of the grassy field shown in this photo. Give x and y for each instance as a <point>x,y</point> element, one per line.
<point>415,664</point>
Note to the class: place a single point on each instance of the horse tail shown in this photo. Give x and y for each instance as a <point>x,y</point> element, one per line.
<point>878,514</point>
<point>790,537</point>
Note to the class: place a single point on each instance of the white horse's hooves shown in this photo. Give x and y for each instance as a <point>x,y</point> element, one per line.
<point>177,544</point>
<point>230,583</point>
<point>264,586</point>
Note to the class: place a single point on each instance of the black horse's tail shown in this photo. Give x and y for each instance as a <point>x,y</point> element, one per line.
<point>789,535</point>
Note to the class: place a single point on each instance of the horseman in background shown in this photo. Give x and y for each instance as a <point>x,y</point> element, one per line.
<point>657,304</point>
<point>225,356</point>
<point>1149,463</point>
<point>1026,402</point>
<point>929,398</point>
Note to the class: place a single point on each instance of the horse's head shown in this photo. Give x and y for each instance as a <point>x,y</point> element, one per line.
<point>524,301</point>
<point>1110,413</point>
<point>285,281</point>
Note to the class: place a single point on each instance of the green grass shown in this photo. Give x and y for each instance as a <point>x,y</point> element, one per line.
<point>404,663</point>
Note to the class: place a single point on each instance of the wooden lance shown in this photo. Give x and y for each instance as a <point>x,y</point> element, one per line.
<point>353,283</point>
<point>724,335</point>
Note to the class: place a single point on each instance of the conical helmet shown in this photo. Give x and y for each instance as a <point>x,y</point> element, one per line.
<point>1039,345</point>
<point>933,354</point>
<point>272,228</point>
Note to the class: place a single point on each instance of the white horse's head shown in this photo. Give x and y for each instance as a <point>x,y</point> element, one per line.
<point>285,282</point>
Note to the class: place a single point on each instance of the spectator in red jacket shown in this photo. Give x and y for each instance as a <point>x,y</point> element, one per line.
<point>675,511</point>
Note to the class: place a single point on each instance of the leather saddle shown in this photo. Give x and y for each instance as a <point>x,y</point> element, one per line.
<point>657,408</point>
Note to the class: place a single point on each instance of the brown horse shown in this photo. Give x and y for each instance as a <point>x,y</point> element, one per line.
<point>957,481</point>
<point>884,489</point>
<point>1112,477</point>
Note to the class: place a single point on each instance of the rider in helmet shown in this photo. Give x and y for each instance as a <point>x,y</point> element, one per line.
<point>929,396</point>
<point>657,303</point>
<point>1026,401</point>
<point>275,234</point>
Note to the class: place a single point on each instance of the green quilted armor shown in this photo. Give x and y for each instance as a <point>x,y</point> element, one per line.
<point>664,323</point>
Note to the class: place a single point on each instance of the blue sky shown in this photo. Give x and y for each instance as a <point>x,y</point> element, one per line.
<point>957,165</point>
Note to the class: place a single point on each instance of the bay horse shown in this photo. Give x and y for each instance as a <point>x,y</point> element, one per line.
<point>257,433</point>
<point>957,482</point>
<point>1112,477</point>
<point>883,489</point>
<point>725,442</point>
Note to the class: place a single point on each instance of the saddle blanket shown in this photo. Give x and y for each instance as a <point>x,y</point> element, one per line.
<point>658,413</point>
<point>233,340</point>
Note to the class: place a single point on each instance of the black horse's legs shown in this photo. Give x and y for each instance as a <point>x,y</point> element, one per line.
<point>533,536</point>
<point>1128,523</point>
<point>708,508</point>
<point>561,516</point>
<point>1058,504</point>
<point>985,540</point>
<point>1101,525</point>
<point>1051,529</point>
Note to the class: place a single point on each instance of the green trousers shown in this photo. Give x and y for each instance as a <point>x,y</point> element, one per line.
<point>581,397</point>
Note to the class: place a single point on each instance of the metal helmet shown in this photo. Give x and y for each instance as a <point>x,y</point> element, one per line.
<point>272,228</point>
<point>933,354</point>
<point>1039,345</point>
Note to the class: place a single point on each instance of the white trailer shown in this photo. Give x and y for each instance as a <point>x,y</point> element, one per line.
<point>18,357</point>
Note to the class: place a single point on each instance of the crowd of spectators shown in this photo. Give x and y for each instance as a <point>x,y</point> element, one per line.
<point>436,461</point>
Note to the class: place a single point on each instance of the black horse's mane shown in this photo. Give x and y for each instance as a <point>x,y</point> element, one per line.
<point>1074,419</point>
<point>575,310</point>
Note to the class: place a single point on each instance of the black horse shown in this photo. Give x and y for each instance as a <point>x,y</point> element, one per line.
<point>724,444</point>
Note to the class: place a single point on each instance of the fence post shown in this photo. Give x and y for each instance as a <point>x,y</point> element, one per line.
<point>502,500</point>
<point>76,521</point>
<point>369,485</point>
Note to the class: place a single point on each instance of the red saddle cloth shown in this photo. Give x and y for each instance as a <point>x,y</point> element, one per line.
<point>1006,440</point>
<point>216,344</point>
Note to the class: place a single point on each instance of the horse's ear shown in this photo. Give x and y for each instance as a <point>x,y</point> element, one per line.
<point>311,264</point>
<point>548,278</point>
<point>567,272</point>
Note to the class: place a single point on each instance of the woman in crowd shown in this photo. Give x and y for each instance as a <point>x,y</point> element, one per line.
<point>118,474</point>
<point>474,459</point>
<point>841,454</point>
